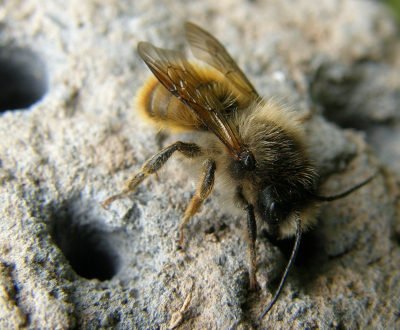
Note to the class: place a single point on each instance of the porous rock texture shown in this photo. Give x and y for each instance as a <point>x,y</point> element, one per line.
<point>71,69</point>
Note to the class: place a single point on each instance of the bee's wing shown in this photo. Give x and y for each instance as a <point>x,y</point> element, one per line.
<point>208,49</point>
<point>173,70</point>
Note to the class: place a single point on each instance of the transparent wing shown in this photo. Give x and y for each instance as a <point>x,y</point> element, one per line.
<point>174,71</point>
<point>208,49</point>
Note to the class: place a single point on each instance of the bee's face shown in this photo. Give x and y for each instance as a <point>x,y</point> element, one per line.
<point>271,208</point>
<point>276,204</point>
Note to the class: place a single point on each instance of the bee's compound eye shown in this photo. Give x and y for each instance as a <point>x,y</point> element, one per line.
<point>248,161</point>
<point>276,212</point>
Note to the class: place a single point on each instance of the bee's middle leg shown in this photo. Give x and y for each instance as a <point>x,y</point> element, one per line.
<point>190,150</point>
<point>204,190</point>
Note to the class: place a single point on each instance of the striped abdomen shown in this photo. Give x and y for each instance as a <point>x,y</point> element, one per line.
<point>157,104</point>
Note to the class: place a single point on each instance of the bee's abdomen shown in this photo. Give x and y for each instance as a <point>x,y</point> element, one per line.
<point>157,104</point>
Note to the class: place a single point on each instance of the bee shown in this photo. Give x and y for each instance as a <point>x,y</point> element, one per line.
<point>256,146</point>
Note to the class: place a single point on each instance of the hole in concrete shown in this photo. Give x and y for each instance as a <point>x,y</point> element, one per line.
<point>23,78</point>
<point>85,246</point>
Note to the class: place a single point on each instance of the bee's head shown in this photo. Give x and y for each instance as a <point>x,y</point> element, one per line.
<point>280,206</point>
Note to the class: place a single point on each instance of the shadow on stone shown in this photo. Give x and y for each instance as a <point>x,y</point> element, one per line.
<point>311,249</point>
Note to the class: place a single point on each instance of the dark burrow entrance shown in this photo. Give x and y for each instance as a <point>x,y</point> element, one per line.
<point>83,243</point>
<point>23,78</point>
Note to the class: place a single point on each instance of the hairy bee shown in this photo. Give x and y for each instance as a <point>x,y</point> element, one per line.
<point>256,146</point>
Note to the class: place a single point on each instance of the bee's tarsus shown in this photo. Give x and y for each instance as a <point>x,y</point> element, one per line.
<point>181,237</point>
<point>107,202</point>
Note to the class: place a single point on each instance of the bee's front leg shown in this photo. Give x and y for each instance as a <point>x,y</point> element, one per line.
<point>242,203</point>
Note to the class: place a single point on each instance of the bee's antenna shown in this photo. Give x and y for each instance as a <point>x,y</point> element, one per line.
<point>347,192</point>
<point>288,267</point>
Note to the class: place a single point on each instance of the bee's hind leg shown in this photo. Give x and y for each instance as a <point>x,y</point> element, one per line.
<point>189,150</point>
<point>204,190</point>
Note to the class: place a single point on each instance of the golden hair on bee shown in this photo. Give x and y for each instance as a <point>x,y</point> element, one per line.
<point>257,147</point>
<point>157,105</point>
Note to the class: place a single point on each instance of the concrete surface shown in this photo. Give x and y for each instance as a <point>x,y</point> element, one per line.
<point>72,71</point>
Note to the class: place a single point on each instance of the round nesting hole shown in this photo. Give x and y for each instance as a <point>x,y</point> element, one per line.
<point>86,247</point>
<point>23,78</point>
